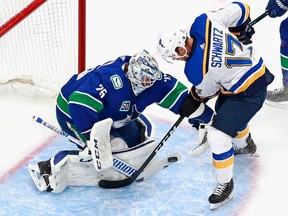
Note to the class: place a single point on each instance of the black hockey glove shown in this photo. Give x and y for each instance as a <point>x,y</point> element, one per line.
<point>243,32</point>
<point>189,106</point>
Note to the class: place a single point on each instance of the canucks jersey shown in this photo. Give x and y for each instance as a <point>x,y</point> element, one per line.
<point>105,92</point>
<point>218,61</point>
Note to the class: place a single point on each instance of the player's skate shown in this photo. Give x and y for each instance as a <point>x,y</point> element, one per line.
<point>202,141</point>
<point>40,174</point>
<point>278,97</point>
<point>222,194</point>
<point>248,150</point>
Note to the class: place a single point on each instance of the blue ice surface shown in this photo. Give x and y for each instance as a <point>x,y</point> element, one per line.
<point>181,189</point>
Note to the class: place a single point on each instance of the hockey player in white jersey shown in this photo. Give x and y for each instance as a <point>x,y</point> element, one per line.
<point>102,108</point>
<point>219,62</point>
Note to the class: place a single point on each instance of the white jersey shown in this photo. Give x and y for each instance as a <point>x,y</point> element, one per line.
<point>219,62</point>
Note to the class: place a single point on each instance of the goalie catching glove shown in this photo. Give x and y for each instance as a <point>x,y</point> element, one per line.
<point>243,32</point>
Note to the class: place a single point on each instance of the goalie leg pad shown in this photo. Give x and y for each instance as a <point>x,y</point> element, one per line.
<point>138,154</point>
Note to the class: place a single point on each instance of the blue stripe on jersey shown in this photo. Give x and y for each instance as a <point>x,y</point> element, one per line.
<point>245,12</point>
<point>247,76</point>
<point>196,67</point>
<point>223,156</point>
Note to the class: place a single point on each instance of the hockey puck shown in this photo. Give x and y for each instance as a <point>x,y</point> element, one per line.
<point>172,159</point>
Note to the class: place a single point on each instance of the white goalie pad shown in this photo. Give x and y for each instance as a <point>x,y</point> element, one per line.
<point>73,168</point>
<point>99,145</point>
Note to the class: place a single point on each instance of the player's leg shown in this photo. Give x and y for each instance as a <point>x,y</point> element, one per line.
<point>223,161</point>
<point>70,168</point>
<point>233,113</point>
<point>244,144</point>
<point>280,95</point>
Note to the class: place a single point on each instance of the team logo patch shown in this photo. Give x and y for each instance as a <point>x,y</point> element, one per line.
<point>125,106</point>
<point>116,81</point>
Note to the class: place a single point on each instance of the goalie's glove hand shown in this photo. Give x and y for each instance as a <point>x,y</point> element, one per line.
<point>243,32</point>
<point>204,118</point>
<point>277,7</point>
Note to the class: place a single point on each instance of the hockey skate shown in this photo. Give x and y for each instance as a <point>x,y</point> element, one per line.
<point>202,140</point>
<point>248,150</point>
<point>278,97</point>
<point>222,194</point>
<point>40,175</point>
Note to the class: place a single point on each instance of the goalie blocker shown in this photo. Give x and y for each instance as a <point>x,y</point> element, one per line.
<point>75,168</point>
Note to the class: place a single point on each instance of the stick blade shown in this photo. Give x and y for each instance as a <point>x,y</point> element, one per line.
<point>112,184</point>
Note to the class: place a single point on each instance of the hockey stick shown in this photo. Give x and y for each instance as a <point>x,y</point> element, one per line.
<point>125,182</point>
<point>118,164</point>
<point>259,18</point>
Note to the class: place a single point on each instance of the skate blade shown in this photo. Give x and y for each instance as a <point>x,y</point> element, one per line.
<point>217,205</point>
<point>247,155</point>
<point>37,179</point>
<point>281,105</point>
<point>195,152</point>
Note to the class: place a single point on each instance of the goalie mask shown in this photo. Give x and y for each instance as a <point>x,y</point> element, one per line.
<point>142,71</point>
<point>168,41</point>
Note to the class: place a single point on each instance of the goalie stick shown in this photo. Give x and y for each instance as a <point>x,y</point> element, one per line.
<point>118,164</point>
<point>125,182</point>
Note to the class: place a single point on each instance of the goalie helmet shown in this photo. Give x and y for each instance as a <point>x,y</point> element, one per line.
<point>168,41</point>
<point>142,71</point>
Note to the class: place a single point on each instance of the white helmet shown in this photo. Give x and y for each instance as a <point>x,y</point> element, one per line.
<point>168,41</point>
<point>142,71</point>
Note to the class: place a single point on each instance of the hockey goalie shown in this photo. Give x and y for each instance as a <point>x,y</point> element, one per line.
<point>103,108</point>
<point>106,157</point>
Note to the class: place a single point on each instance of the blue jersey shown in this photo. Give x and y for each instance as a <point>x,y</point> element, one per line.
<point>105,92</point>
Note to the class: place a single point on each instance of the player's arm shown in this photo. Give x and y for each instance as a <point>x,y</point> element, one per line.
<point>84,110</point>
<point>196,109</point>
<point>277,8</point>
<point>236,17</point>
<point>170,93</point>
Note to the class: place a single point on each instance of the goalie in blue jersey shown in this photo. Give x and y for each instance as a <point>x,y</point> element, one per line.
<point>103,108</point>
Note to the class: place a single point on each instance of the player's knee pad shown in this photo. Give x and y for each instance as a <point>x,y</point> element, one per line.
<point>139,153</point>
<point>223,154</point>
<point>59,171</point>
<point>117,143</point>
<point>240,140</point>
<point>219,142</point>
<point>147,130</point>
<point>147,127</point>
